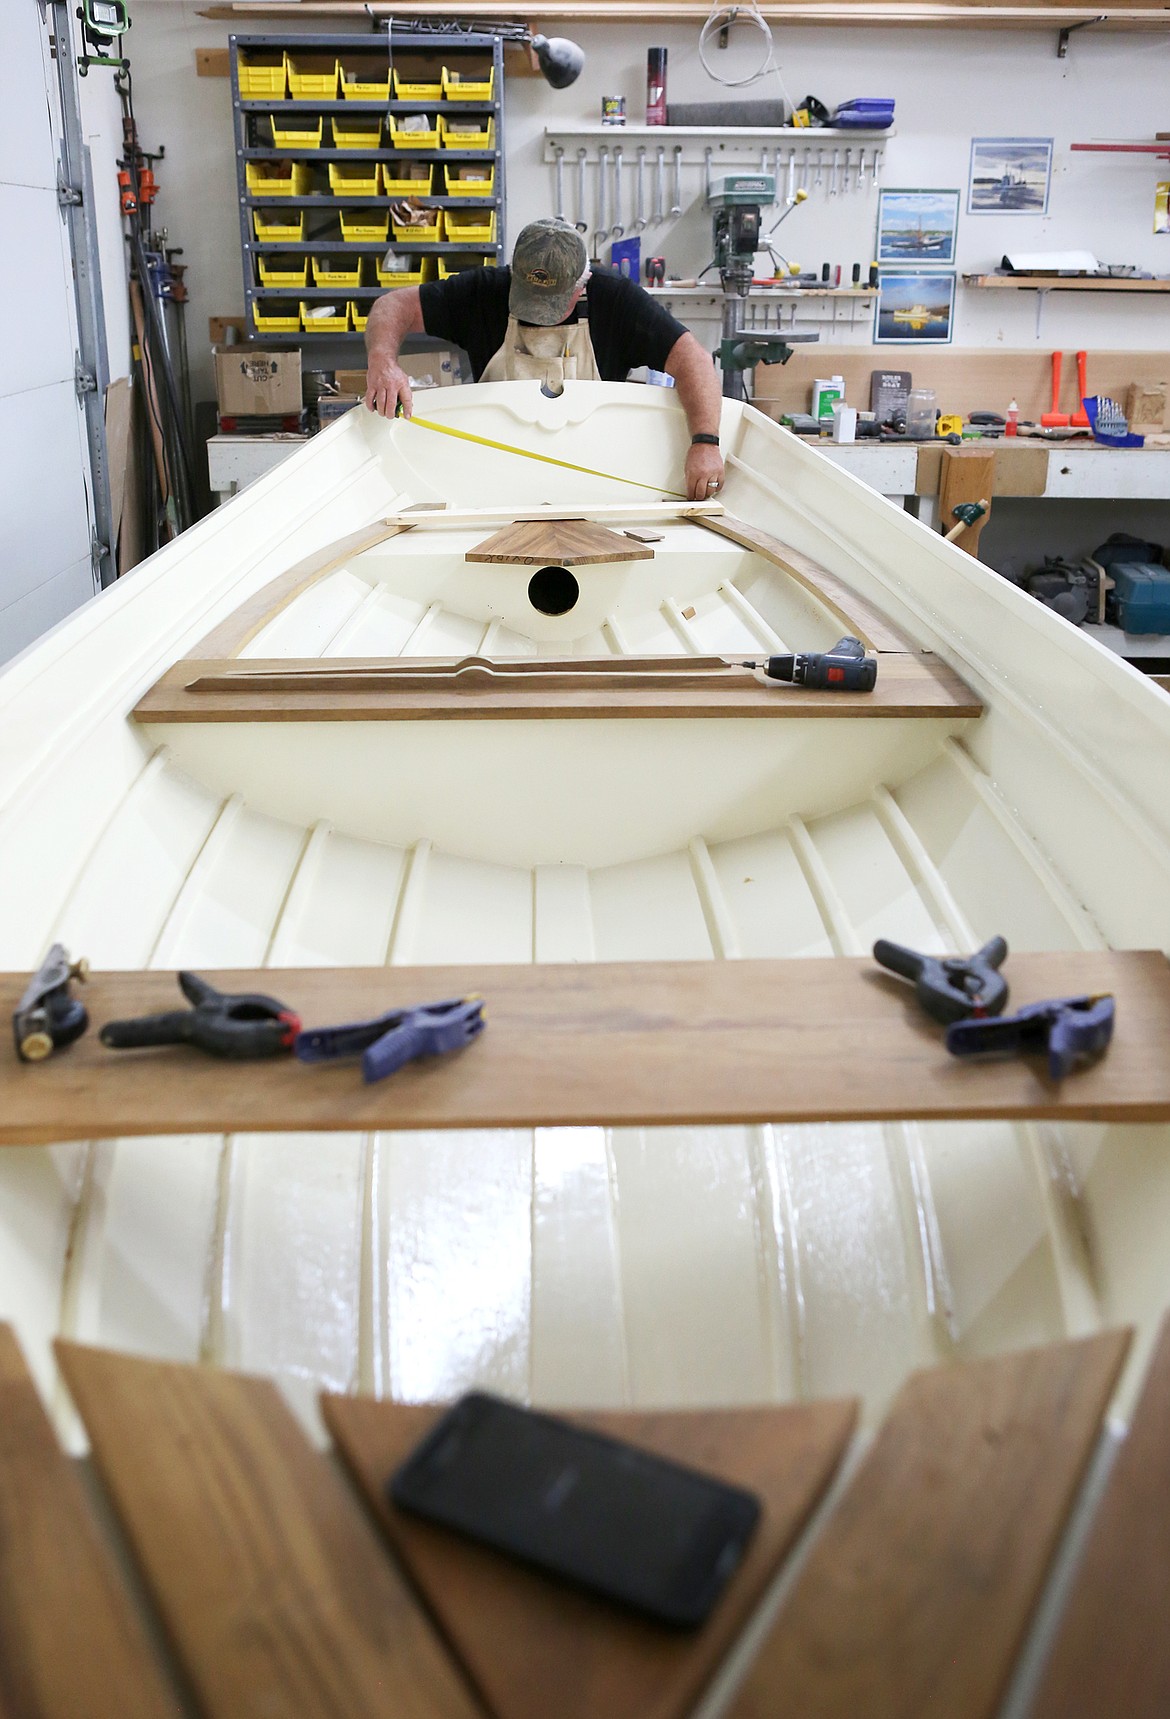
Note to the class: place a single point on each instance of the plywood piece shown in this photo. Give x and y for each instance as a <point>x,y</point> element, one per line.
<point>243,624</point>
<point>218,326</point>
<point>565,542</point>
<point>213,63</point>
<point>272,1588</point>
<point>536,1648</point>
<point>1112,1651</point>
<point>855,614</point>
<point>635,1044</point>
<point>967,476</point>
<point>917,1596</point>
<point>72,1645</point>
<point>1021,468</point>
<point>119,402</point>
<point>614,511</point>
<point>414,689</point>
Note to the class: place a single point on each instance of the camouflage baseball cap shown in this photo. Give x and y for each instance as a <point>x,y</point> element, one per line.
<point>549,259</point>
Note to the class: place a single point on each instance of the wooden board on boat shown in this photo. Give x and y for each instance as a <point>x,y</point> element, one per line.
<point>640,1044</point>
<point>414,689</point>
<point>567,542</point>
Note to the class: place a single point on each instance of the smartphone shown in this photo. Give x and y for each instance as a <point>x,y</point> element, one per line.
<point>635,1528</point>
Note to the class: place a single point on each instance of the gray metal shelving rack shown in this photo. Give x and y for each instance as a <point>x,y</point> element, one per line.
<point>452,46</point>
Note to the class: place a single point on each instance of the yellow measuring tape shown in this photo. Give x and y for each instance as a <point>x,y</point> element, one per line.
<point>545,459</point>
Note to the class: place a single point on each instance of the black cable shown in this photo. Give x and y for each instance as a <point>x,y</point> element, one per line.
<point>161,363</point>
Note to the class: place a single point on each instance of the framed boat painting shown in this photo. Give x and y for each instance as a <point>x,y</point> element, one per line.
<point>914,307</point>
<point>917,227</point>
<point>1009,176</point>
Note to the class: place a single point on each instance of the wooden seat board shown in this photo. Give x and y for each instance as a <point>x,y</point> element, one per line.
<point>916,1598</point>
<point>72,1644</point>
<point>856,614</point>
<point>535,1647</point>
<point>374,690</point>
<point>564,542</point>
<point>273,1588</point>
<point>639,1044</point>
<point>1112,1650</point>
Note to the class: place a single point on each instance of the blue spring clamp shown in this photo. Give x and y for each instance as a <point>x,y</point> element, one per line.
<point>951,987</point>
<point>390,1041</point>
<point>1071,1030</point>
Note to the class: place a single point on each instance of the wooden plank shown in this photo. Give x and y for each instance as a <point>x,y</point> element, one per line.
<point>967,475</point>
<point>856,615</point>
<point>1112,1651</point>
<point>119,404</point>
<point>916,1598</point>
<point>535,1648</point>
<point>254,614</point>
<point>1066,283</point>
<point>1021,467</point>
<point>568,542</point>
<point>271,1586</point>
<point>1144,15</point>
<point>72,1645</point>
<point>372,690</point>
<point>218,326</point>
<point>633,1044</point>
<point>443,517</point>
<point>213,63</point>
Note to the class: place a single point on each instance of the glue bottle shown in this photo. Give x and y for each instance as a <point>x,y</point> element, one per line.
<point>1013,419</point>
<point>656,86</point>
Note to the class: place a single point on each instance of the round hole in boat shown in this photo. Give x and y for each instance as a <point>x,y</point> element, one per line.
<point>553,590</point>
<point>551,393</point>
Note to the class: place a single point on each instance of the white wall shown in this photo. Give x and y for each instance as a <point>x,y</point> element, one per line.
<point>949,85</point>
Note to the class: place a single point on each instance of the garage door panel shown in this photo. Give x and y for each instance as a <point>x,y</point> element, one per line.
<point>26,153</point>
<point>26,619</point>
<point>42,496</point>
<point>35,240</point>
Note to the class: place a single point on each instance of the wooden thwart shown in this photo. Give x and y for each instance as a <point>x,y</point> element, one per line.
<point>1112,1651</point>
<point>72,1645</point>
<point>643,1043</point>
<point>916,1598</point>
<point>272,1587</point>
<point>536,1648</point>
<point>566,542</point>
<point>414,689</point>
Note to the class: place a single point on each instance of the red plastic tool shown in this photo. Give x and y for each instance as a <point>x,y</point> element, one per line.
<point>1055,420</point>
<point>1080,417</point>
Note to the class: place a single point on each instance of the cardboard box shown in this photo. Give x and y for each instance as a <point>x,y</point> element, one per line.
<point>333,406</point>
<point>437,368</point>
<point>250,382</point>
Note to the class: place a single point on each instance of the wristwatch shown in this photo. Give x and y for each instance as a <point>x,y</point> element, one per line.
<point>704,436</point>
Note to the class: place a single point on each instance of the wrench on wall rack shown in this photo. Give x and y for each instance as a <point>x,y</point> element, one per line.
<point>581,223</point>
<point>640,193</point>
<point>860,180</point>
<point>560,176</point>
<point>617,229</point>
<point>601,233</point>
<point>659,214</point>
<point>676,205</point>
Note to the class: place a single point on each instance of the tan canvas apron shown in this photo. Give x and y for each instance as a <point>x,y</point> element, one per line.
<point>549,355</point>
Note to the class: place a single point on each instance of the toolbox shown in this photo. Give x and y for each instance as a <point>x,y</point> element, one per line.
<point>866,113</point>
<point>1140,600</point>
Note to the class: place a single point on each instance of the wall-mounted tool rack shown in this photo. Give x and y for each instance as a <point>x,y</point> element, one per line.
<point>325,160</point>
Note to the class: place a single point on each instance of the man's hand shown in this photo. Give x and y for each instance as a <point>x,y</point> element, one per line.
<point>704,472</point>
<point>387,385</point>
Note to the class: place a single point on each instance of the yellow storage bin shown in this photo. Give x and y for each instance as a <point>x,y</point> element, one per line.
<point>359,82</point>
<point>405,277</point>
<point>275,226</point>
<point>364,228</point>
<point>337,271</point>
<point>313,77</point>
<point>284,271</point>
<point>273,316</point>
<point>263,76</point>
<point>313,322</point>
<point>278,178</point>
<point>458,88</point>
<point>402,139</point>
<point>478,134</point>
<point>470,226</point>
<point>417,232</point>
<point>470,180</point>
<point>360,180</point>
<point>294,133</point>
<point>358,317</point>
<point>449,266</point>
<point>414,89</point>
<point>407,178</point>
<point>357,133</point>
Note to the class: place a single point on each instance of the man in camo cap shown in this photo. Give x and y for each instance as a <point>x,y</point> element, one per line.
<point>551,318</point>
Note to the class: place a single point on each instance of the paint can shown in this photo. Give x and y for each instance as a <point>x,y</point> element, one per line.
<point>613,110</point>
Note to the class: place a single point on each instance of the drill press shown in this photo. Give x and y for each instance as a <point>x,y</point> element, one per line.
<point>736,200</point>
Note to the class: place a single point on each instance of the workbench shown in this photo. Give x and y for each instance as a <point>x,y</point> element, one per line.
<point>234,462</point>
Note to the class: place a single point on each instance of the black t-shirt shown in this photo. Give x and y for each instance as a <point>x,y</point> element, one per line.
<point>627,325</point>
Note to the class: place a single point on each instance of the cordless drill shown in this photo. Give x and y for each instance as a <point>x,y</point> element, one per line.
<point>845,668</point>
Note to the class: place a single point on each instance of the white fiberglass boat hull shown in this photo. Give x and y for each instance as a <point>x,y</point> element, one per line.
<point>648,1267</point>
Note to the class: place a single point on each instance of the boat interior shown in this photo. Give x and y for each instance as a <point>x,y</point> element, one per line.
<point>509,821</point>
